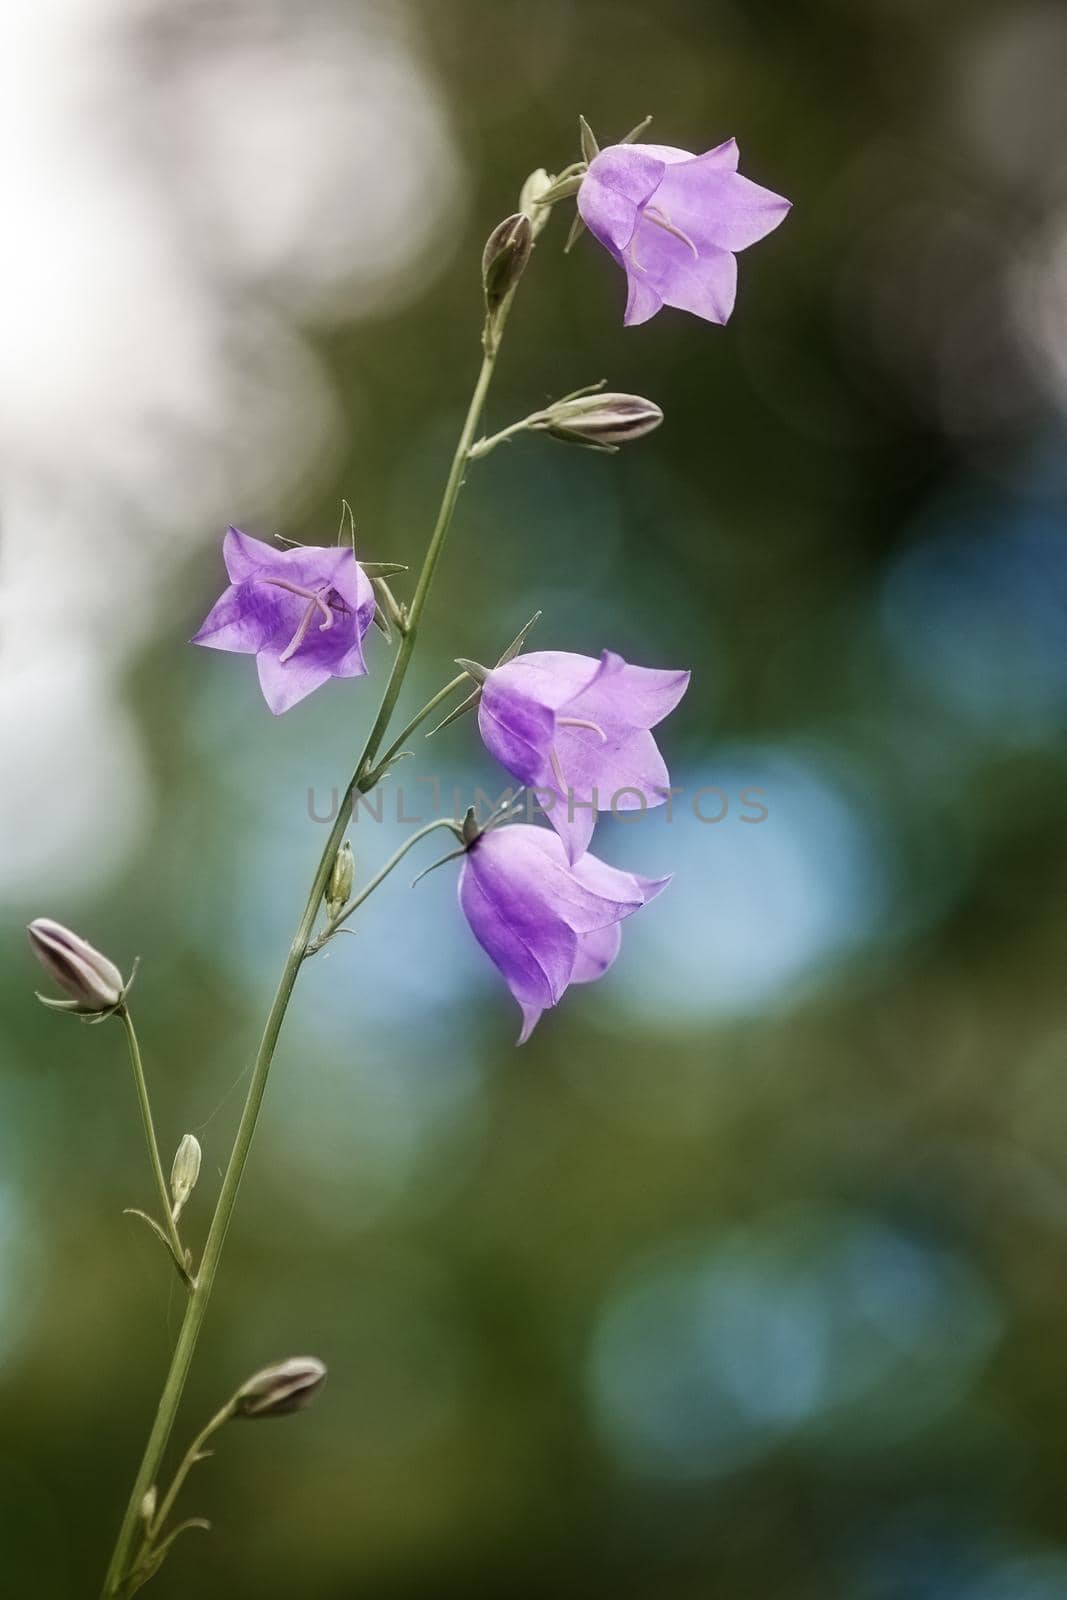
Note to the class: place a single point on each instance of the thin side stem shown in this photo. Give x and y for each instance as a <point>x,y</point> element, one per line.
<point>419,717</point>
<point>378,878</point>
<point>483,447</point>
<point>150,1136</point>
<point>189,1461</point>
<point>362,780</point>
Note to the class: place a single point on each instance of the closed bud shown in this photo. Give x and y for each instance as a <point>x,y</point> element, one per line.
<point>536,185</point>
<point>340,885</point>
<point>93,982</point>
<point>507,250</point>
<point>185,1171</point>
<point>599,421</point>
<point>274,1392</point>
<point>148,1504</point>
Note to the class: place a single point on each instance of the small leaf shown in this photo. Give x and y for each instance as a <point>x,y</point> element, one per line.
<point>635,133</point>
<point>453,855</point>
<point>473,669</point>
<point>457,712</point>
<point>590,148</point>
<point>577,229</point>
<point>155,1558</point>
<point>562,189</point>
<point>183,1267</point>
<point>519,640</point>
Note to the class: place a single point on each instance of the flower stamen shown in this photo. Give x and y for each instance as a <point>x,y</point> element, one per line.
<point>660,219</point>
<point>580,722</point>
<point>557,770</point>
<point>315,602</point>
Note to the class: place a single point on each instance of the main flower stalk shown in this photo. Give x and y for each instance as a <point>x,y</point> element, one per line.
<point>363,778</point>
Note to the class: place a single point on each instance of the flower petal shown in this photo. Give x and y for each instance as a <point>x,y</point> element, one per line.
<point>619,181</point>
<point>573,821</point>
<point>286,683</point>
<point>630,764</point>
<point>533,949</point>
<point>515,714</point>
<point>596,953</point>
<point>642,300</point>
<point>551,676</point>
<point>621,696</point>
<point>724,156</point>
<point>707,288</point>
<point>717,208</point>
<point>626,889</point>
<point>244,556</point>
<point>237,621</point>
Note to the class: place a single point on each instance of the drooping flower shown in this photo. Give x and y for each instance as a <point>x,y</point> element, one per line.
<point>544,922</point>
<point>94,983</point>
<point>580,728</point>
<point>301,612</point>
<point>673,221</point>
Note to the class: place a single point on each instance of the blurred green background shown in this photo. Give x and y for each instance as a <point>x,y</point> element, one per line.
<point>744,1277</point>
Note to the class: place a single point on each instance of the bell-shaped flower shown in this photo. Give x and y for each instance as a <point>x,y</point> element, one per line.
<point>673,221</point>
<point>579,728</point>
<point>301,612</point>
<point>544,922</point>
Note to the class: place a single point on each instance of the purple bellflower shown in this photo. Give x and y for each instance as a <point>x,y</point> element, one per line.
<point>301,612</point>
<point>543,922</point>
<point>673,221</point>
<point>579,728</point>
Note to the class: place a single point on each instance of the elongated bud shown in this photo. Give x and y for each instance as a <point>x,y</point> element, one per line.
<point>185,1171</point>
<point>507,250</point>
<point>289,1386</point>
<point>148,1504</point>
<point>340,885</point>
<point>599,421</point>
<point>94,983</point>
<point>536,185</point>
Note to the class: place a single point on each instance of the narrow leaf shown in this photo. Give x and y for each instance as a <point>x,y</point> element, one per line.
<point>590,148</point>
<point>635,133</point>
<point>457,712</point>
<point>577,229</point>
<point>519,640</point>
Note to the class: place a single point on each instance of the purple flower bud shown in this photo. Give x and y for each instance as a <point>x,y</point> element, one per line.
<point>507,250</point>
<point>275,1391</point>
<point>94,983</point>
<point>673,221</point>
<point>543,922</point>
<point>600,421</point>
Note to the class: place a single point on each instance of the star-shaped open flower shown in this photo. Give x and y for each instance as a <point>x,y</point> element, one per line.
<point>673,221</point>
<point>579,727</point>
<point>544,922</point>
<point>301,612</point>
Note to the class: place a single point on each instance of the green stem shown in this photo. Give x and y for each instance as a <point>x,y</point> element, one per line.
<point>150,1136</point>
<point>362,780</point>
<point>419,717</point>
<point>483,447</point>
<point>189,1461</point>
<point>379,877</point>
